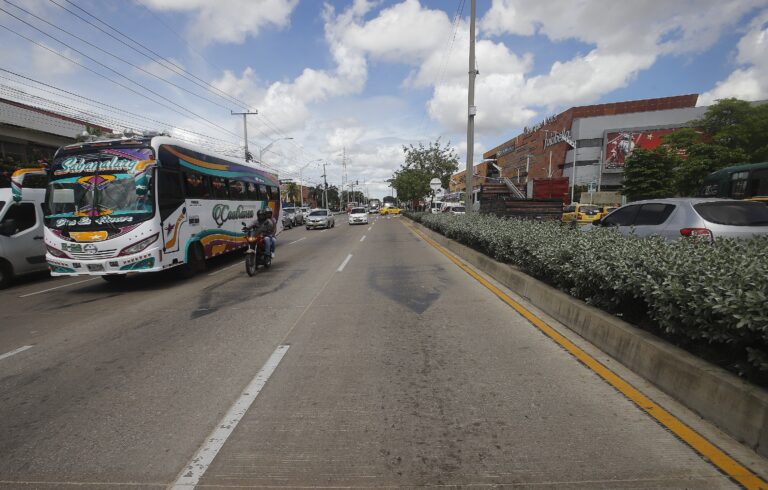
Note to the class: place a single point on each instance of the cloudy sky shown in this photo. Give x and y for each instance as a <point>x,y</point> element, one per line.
<point>368,76</point>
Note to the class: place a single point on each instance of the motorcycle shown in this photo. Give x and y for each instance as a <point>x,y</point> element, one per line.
<point>257,253</point>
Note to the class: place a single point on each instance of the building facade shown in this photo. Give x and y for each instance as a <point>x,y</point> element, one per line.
<point>29,134</point>
<point>604,136</point>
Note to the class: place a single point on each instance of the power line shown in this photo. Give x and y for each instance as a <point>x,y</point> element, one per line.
<point>116,82</point>
<point>143,70</point>
<point>157,57</point>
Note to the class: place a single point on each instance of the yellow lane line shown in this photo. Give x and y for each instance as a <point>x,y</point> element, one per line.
<point>696,441</point>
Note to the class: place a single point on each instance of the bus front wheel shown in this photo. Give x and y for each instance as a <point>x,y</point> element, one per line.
<point>195,261</point>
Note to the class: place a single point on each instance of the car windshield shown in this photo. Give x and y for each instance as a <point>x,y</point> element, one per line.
<point>358,211</point>
<point>319,213</point>
<point>460,209</point>
<point>107,185</point>
<point>733,213</point>
<point>589,209</point>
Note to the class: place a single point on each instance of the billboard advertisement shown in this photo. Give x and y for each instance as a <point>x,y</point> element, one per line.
<point>621,144</point>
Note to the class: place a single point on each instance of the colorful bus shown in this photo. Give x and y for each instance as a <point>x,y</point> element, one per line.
<point>748,181</point>
<point>147,204</point>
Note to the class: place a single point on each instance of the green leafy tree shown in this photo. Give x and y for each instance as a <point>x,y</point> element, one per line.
<point>292,193</point>
<point>422,164</point>
<point>648,174</point>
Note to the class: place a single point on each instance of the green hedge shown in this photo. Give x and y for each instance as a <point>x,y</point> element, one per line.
<point>710,299</point>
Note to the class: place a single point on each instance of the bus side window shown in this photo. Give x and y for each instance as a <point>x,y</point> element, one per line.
<point>170,193</point>
<point>237,190</point>
<point>219,185</point>
<point>274,194</point>
<point>759,183</point>
<point>263,195</point>
<point>253,191</point>
<point>739,185</point>
<point>196,186</point>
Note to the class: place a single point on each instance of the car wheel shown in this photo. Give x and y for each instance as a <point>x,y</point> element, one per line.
<point>6,275</point>
<point>195,262</point>
<point>307,228</point>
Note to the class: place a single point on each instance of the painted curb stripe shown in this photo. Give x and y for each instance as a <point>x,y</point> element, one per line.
<point>696,441</point>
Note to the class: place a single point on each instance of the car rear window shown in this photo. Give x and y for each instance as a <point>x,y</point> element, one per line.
<point>358,210</point>
<point>460,209</point>
<point>318,213</point>
<point>736,213</point>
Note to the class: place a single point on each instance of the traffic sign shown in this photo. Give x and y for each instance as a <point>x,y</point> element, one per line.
<point>435,184</point>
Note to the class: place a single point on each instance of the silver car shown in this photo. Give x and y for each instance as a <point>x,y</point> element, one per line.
<point>676,218</point>
<point>320,218</point>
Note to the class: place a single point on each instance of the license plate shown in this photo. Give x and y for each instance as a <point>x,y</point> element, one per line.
<point>96,267</point>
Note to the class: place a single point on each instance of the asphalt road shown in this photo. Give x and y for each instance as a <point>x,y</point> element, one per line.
<point>376,361</point>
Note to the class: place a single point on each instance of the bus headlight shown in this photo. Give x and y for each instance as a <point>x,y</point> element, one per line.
<point>56,252</point>
<point>139,246</point>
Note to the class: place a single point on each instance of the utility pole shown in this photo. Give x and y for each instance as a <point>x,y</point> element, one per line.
<point>248,156</point>
<point>471,111</point>
<point>325,191</point>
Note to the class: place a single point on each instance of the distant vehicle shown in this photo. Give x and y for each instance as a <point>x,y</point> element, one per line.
<point>454,209</point>
<point>304,212</point>
<point>297,218</point>
<point>146,204</point>
<point>738,182</point>
<point>287,221</point>
<point>22,250</point>
<point>436,206</point>
<point>386,210</point>
<point>581,213</point>
<point>677,218</point>
<point>358,216</point>
<point>320,218</point>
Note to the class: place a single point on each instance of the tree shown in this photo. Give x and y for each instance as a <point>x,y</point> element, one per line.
<point>292,193</point>
<point>648,174</point>
<point>422,164</point>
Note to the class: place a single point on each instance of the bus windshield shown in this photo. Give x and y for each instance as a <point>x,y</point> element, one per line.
<point>97,187</point>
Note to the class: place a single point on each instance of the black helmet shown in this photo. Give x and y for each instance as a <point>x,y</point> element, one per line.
<point>261,214</point>
<point>269,212</point>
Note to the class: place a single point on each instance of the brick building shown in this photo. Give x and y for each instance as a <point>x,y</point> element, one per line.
<point>604,134</point>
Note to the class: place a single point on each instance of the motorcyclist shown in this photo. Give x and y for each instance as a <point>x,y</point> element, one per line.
<point>265,226</point>
<point>272,232</point>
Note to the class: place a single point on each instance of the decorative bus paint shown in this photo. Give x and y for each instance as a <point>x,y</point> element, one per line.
<point>148,204</point>
<point>748,181</point>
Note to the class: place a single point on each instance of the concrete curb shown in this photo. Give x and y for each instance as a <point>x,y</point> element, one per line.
<point>735,406</point>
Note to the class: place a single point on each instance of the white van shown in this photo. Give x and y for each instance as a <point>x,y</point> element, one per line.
<point>22,249</point>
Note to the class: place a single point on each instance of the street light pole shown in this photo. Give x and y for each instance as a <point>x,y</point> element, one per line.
<point>471,109</point>
<point>265,148</point>
<point>301,179</point>
<point>248,156</point>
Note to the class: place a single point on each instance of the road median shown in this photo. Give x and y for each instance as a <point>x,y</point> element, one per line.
<point>736,406</point>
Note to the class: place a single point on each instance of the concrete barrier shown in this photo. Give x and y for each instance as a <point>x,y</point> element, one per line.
<point>734,405</point>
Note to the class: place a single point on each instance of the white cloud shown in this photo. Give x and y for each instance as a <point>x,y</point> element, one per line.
<point>228,21</point>
<point>750,81</point>
<point>45,61</point>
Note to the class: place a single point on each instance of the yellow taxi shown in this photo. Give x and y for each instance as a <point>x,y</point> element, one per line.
<point>389,210</point>
<point>581,213</point>
<point>607,210</point>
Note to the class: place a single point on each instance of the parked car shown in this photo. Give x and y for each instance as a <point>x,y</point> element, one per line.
<point>581,213</point>
<point>305,212</point>
<point>676,218</point>
<point>358,216</point>
<point>320,218</point>
<point>455,209</point>
<point>22,249</point>
<point>296,217</point>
